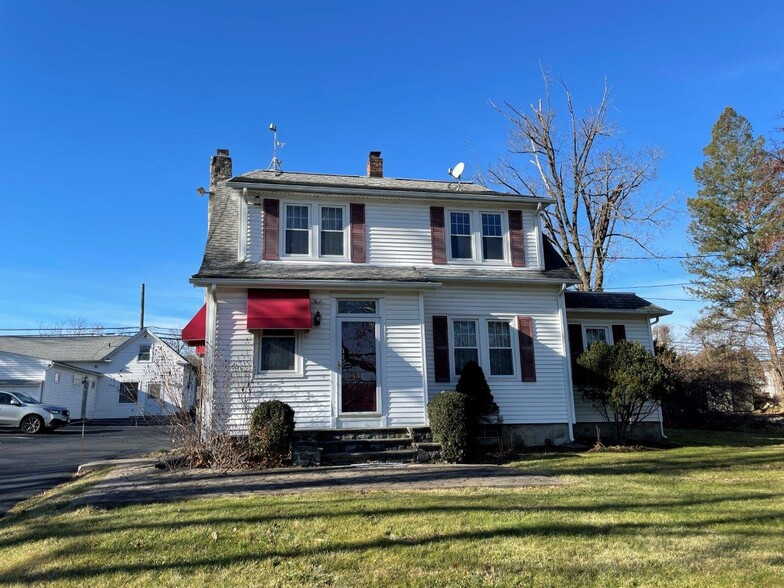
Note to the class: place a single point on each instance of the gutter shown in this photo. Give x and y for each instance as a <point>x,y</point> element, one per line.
<point>386,193</point>
<point>343,284</point>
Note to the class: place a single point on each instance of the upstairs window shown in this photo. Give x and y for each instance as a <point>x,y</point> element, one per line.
<point>461,237</point>
<point>145,352</point>
<point>492,237</point>
<point>297,230</point>
<point>332,235</point>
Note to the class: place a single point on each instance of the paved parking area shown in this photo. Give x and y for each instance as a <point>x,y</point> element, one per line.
<point>30,464</point>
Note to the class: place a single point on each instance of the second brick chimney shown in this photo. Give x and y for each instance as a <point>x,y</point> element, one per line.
<point>375,165</point>
<point>220,167</point>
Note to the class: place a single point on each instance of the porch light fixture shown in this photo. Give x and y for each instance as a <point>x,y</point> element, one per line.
<point>317,318</point>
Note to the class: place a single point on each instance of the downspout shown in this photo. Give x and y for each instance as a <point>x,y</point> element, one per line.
<point>661,416</point>
<point>569,388</point>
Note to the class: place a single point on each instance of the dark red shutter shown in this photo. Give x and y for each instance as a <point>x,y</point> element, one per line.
<point>525,329</point>
<point>516,238</point>
<point>271,228</point>
<point>619,333</point>
<point>358,238</point>
<point>441,348</point>
<point>437,234</point>
<point>575,351</point>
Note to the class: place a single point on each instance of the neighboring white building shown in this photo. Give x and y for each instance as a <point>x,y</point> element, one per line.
<point>357,299</point>
<point>99,376</point>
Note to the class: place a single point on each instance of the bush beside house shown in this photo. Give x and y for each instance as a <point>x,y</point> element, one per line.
<point>272,432</point>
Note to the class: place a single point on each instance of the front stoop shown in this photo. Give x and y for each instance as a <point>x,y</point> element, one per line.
<point>352,446</point>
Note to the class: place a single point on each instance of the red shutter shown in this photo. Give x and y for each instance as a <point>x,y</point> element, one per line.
<point>358,239</point>
<point>271,228</point>
<point>441,348</point>
<point>437,234</point>
<point>575,351</point>
<point>619,333</point>
<point>525,328</point>
<point>516,238</point>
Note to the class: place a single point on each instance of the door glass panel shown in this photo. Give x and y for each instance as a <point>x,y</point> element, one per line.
<point>358,366</point>
<point>356,307</point>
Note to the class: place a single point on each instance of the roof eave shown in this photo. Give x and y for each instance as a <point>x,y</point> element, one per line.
<point>658,312</point>
<point>388,193</point>
<point>315,283</point>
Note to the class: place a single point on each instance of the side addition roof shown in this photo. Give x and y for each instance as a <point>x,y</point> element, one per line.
<point>626,302</point>
<point>65,348</point>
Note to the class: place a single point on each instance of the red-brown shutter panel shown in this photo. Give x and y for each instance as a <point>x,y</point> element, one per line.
<point>525,328</point>
<point>619,333</point>
<point>441,349</point>
<point>516,238</point>
<point>437,234</point>
<point>358,238</point>
<point>271,228</point>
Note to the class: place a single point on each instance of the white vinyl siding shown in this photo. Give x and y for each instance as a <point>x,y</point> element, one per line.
<point>313,394</point>
<point>637,329</point>
<point>543,401</point>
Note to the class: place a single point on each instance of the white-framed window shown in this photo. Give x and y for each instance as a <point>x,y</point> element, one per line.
<point>461,236</point>
<point>129,393</point>
<point>296,229</point>
<point>499,348</point>
<point>357,306</point>
<point>332,231</point>
<point>493,231</point>
<point>154,390</point>
<point>596,334</point>
<point>145,353</point>
<point>276,351</point>
<point>465,343</point>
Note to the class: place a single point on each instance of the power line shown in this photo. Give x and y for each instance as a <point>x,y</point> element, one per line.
<point>649,286</point>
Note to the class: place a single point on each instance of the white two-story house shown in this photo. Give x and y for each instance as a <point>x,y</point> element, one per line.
<point>357,299</point>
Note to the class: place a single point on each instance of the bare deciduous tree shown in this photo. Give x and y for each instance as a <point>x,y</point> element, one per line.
<point>599,187</point>
<point>73,326</point>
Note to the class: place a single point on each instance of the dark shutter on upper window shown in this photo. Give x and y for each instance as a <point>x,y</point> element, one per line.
<point>619,333</point>
<point>437,234</point>
<point>441,348</point>
<point>525,329</point>
<point>516,238</point>
<point>271,228</point>
<point>575,351</point>
<point>358,238</point>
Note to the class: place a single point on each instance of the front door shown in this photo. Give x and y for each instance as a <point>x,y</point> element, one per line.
<point>359,365</point>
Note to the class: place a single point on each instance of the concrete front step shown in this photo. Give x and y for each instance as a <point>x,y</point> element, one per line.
<point>363,445</point>
<point>398,455</point>
<point>344,434</point>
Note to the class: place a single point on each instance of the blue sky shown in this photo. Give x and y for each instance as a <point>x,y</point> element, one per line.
<point>110,111</point>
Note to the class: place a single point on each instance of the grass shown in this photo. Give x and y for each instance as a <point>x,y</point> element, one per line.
<point>710,513</point>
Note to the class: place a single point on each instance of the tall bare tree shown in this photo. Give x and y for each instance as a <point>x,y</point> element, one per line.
<point>600,188</point>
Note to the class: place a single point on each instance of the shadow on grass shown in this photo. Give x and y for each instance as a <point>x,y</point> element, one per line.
<point>191,560</point>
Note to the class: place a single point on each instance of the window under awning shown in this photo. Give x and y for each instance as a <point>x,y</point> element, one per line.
<point>279,309</point>
<point>195,332</point>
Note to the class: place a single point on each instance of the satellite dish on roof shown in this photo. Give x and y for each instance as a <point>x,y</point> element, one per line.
<point>457,171</point>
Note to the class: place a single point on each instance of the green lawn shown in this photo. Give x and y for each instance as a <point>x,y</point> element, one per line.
<point>708,514</point>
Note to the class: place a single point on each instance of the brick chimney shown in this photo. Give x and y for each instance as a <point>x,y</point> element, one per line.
<point>375,165</point>
<point>220,167</point>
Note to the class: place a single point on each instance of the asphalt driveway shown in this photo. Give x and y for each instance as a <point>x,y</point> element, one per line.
<point>30,464</point>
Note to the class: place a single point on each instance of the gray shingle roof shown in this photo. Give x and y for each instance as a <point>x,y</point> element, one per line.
<point>66,348</point>
<point>362,182</point>
<point>555,269</point>
<point>615,301</point>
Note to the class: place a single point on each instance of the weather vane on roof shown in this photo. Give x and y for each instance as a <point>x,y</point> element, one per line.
<point>275,164</point>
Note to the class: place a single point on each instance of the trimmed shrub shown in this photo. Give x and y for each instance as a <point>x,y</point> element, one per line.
<point>472,383</point>
<point>272,432</point>
<point>449,423</point>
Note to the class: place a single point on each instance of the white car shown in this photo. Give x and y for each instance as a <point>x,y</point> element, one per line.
<point>20,410</point>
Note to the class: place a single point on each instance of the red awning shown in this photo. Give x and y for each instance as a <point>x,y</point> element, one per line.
<point>279,309</point>
<point>194,333</point>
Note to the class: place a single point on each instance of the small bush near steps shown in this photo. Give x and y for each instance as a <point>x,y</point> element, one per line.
<point>448,414</point>
<point>272,432</point>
